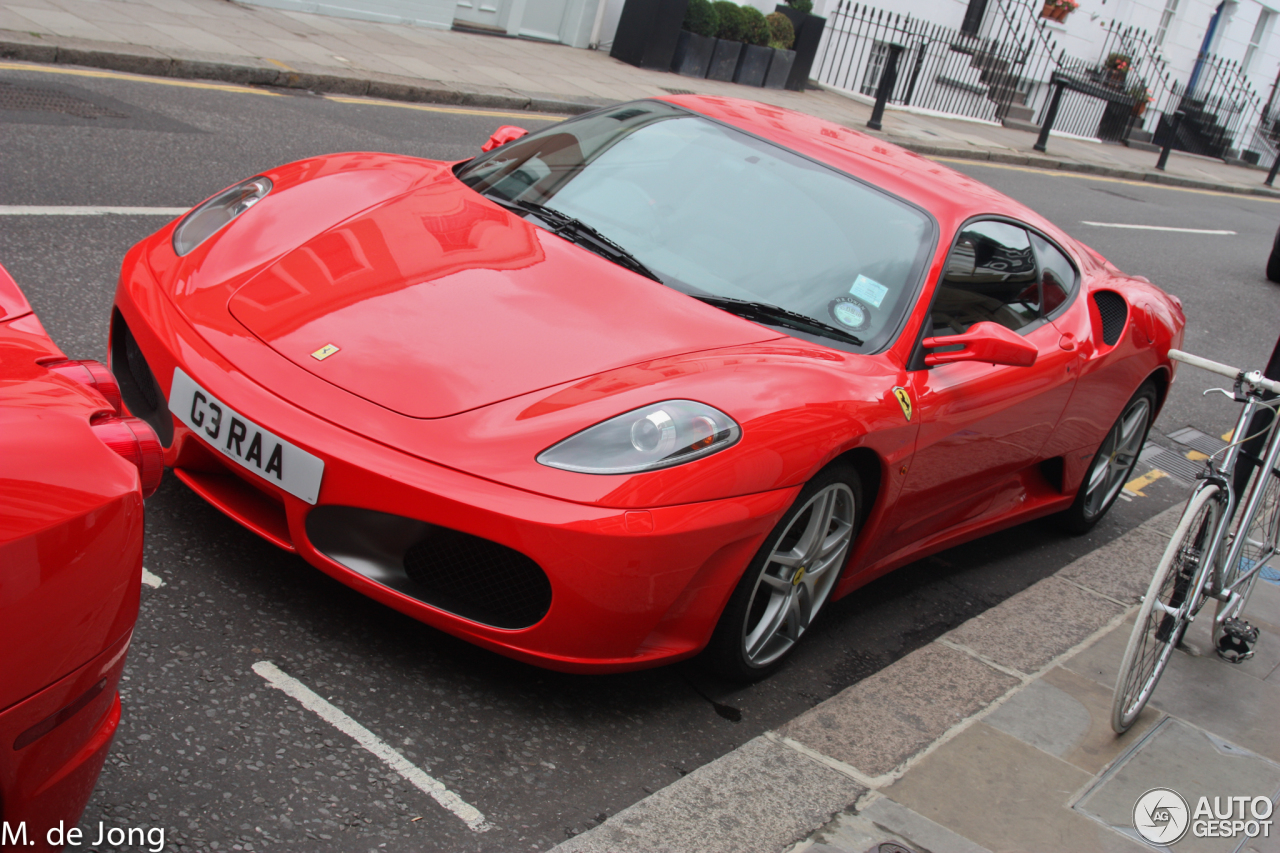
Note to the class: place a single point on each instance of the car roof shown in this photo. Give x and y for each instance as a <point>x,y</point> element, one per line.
<point>950,196</point>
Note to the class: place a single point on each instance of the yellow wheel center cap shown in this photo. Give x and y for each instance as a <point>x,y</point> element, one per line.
<point>799,576</point>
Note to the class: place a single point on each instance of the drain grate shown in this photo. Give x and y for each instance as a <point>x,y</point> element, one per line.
<point>50,101</point>
<point>1196,440</point>
<point>1174,464</point>
<point>678,91</point>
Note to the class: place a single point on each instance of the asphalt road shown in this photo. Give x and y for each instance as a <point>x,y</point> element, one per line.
<point>221,760</point>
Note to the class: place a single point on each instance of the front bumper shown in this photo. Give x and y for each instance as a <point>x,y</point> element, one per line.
<point>627,588</point>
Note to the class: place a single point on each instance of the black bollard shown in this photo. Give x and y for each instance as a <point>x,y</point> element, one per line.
<point>1271,176</point>
<point>887,78</point>
<point>1168,140</point>
<point>1052,113</point>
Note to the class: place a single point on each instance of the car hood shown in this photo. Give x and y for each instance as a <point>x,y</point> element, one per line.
<point>439,301</point>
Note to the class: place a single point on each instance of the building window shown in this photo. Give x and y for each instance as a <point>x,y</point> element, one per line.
<point>1256,40</point>
<point>1166,18</point>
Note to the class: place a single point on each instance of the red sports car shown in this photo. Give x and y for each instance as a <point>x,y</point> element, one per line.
<point>657,380</point>
<point>73,473</point>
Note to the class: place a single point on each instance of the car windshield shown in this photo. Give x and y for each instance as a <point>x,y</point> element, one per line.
<point>723,216</point>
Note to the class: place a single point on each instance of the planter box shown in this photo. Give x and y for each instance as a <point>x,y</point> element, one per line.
<point>647,32</point>
<point>724,60</point>
<point>808,34</point>
<point>753,64</point>
<point>693,54</point>
<point>779,68</point>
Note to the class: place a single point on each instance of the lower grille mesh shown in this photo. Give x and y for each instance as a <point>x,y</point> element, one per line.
<point>479,579</point>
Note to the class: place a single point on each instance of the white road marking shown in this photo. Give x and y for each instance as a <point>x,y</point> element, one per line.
<point>1158,228</point>
<point>153,581</point>
<point>83,210</point>
<point>313,702</point>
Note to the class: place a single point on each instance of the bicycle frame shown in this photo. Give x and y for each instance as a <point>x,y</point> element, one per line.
<point>1221,476</point>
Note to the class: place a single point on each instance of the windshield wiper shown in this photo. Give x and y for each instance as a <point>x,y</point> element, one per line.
<point>579,232</point>
<point>773,315</point>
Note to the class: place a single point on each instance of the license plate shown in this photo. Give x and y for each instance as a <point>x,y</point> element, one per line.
<point>244,442</point>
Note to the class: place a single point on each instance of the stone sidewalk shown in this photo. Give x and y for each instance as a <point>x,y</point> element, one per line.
<point>221,40</point>
<point>994,737</point>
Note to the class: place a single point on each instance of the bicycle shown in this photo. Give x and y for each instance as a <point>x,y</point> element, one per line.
<point>1207,557</point>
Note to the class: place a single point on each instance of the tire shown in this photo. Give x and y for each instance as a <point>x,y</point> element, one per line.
<point>1113,464</point>
<point>1156,632</point>
<point>1273,262</point>
<point>789,580</point>
<point>1261,546</point>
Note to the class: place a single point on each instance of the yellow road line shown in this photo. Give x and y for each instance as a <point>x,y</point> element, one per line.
<point>342,99</point>
<point>1087,177</point>
<point>1197,456</point>
<point>1137,484</point>
<point>280,64</point>
<point>141,78</point>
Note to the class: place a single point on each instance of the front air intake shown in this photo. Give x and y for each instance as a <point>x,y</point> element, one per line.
<point>138,386</point>
<point>1113,311</point>
<point>479,579</point>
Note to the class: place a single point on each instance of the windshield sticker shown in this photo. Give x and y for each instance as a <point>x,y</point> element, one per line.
<point>850,313</point>
<point>869,290</point>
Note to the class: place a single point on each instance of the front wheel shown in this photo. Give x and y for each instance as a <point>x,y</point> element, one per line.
<point>789,580</point>
<point>1166,608</point>
<point>1114,462</point>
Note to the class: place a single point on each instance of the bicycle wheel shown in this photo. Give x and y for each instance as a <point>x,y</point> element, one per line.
<point>1260,546</point>
<point>1165,611</point>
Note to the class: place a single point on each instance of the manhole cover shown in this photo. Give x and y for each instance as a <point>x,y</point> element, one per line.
<point>892,847</point>
<point>50,101</point>
<point>678,91</point>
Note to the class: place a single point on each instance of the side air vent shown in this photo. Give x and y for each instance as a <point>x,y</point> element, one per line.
<point>1113,310</point>
<point>138,385</point>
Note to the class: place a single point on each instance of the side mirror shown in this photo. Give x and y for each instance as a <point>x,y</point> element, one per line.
<point>987,342</point>
<point>503,135</point>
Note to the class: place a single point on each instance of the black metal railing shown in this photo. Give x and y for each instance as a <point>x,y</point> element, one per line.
<point>1007,68</point>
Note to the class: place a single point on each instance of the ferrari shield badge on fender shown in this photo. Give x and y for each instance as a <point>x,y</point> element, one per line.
<point>904,400</point>
<point>324,352</point>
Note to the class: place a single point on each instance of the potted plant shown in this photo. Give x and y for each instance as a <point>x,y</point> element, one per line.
<point>808,29</point>
<point>782,36</point>
<point>697,39</point>
<point>1057,10</point>
<point>753,61</point>
<point>724,59</point>
<point>1116,66</point>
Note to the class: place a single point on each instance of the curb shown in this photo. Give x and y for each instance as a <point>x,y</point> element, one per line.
<point>154,63</point>
<point>1049,164</point>
<point>703,812</point>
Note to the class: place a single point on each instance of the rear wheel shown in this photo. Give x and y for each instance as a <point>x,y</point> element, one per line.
<point>789,580</point>
<point>1259,546</point>
<point>1113,464</point>
<point>1166,610</point>
<point>1273,262</point>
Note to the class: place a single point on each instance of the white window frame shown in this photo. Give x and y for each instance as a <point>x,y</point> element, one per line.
<point>1166,18</point>
<point>1258,40</point>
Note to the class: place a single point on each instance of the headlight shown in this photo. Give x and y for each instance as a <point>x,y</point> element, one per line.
<point>656,436</point>
<point>216,213</point>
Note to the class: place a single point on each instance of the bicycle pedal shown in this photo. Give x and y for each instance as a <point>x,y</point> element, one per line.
<point>1237,640</point>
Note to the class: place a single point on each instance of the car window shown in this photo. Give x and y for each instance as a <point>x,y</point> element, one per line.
<point>990,275</point>
<point>1057,276</point>
<point>718,213</point>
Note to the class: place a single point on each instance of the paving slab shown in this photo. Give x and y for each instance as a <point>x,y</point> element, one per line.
<point>761,797</point>
<point>1069,717</point>
<point>883,720</point>
<point>1045,620</point>
<point>1194,764</point>
<point>1015,797</point>
<point>881,822</point>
